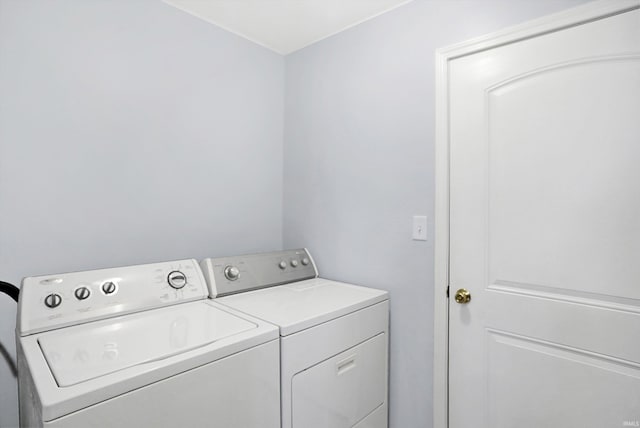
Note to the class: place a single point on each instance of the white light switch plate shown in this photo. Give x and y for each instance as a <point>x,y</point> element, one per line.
<point>419,227</point>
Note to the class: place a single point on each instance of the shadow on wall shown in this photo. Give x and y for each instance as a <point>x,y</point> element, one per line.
<point>7,357</point>
<point>13,292</point>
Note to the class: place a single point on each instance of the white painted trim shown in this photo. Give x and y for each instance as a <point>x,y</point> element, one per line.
<point>441,244</point>
<point>210,21</point>
<point>361,21</point>
<point>558,21</point>
<point>569,18</point>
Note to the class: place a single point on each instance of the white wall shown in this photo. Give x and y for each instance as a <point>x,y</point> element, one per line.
<point>130,132</point>
<point>358,164</point>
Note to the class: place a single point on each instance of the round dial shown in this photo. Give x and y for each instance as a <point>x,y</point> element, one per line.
<point>231,273</point>
<point>53,300</point>
<point>109,287</point>
<point>305,261</point>
<point>294,263</point>
<point>177,279</point>
<point>282,265</point>
<point>82,293</point>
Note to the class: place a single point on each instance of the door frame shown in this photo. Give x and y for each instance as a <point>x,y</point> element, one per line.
<point>558,21</point>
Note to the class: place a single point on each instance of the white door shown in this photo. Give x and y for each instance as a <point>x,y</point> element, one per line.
<point>544,141</point>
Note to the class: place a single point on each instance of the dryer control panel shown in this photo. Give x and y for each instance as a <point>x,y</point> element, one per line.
<point>54,301</point>
<point>231,275</point>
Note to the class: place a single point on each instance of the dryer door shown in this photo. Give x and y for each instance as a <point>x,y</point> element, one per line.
<point>343,390</point>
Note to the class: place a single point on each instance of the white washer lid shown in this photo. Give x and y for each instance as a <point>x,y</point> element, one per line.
<point>87,351</point>
<point>300,305</point>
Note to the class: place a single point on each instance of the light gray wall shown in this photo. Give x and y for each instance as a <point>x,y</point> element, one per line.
<point>130,132</point>
<point>358,164</point>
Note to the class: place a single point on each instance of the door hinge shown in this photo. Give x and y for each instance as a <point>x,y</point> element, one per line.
<point>447,291</point>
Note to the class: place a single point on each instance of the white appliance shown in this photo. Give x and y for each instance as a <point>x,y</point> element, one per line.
<point>334,336</point>
<point>142,346</point>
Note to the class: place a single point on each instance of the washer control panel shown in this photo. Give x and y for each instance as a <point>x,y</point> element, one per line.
<point>53,301</point>
<point>231,275</point>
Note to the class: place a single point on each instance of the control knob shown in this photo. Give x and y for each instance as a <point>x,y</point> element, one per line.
<point>82,293</point>
<point>294,263</point>
<point>231,273</point>
<point>305,261</point>
<point>177,279</point>
<point>109,287</point>
<point>53,300</point>
<point>282,265</point>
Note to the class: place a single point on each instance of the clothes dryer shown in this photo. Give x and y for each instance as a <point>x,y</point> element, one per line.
<point>142,346</point>
<point>333,336</point>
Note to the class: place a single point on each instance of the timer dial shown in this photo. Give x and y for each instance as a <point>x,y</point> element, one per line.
<point>177,279</point>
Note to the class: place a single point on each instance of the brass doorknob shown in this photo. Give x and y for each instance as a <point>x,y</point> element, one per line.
<point>462,296</point>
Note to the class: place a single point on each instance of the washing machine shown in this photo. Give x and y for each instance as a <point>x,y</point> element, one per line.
<point>142,346</point>
<point>333,336</point>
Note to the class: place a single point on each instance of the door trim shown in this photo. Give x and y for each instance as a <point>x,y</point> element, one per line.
<point>569,18</point>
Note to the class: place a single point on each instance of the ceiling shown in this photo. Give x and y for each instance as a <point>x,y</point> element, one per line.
<point>285,25</point>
